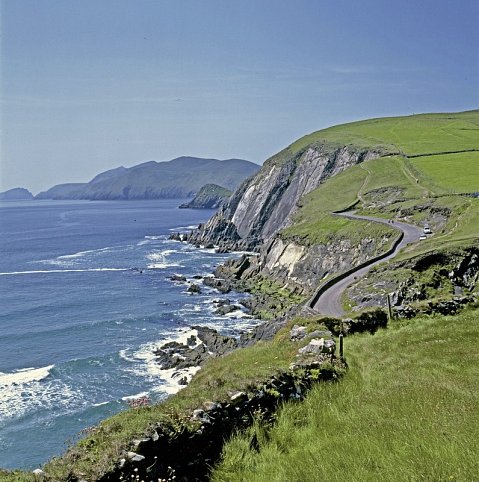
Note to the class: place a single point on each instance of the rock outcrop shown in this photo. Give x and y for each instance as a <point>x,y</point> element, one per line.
<point>210,196</point>
<point>264,204</point>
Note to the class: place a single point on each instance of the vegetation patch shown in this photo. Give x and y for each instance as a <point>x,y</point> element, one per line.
<point>406,410</point>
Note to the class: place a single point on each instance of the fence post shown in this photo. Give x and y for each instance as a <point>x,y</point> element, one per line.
<point>390,309</point>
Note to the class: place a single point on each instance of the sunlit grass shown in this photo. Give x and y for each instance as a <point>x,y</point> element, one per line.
<point>406,410</point>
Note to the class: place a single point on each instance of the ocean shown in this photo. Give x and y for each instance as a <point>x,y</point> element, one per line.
<point>85,297</point>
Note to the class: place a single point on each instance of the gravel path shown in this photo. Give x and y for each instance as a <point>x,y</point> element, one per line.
<point>329,301</point>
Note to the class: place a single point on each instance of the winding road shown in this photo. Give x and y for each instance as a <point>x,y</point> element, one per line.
<point>329,302</point>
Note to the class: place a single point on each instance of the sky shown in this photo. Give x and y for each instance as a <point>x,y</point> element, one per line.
<point>89,85</point>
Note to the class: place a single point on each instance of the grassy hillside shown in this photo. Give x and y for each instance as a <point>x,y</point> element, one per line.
<point>406,410</point>
<point>412,188</point>
<point>410,135</point>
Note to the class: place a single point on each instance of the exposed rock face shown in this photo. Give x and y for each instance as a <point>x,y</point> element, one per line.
<point>301,268</point>
<point>264,204</point>
<point>210,196</point>
<point>208,343</point>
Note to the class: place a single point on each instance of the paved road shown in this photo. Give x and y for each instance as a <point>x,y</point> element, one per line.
<point>329,301</point>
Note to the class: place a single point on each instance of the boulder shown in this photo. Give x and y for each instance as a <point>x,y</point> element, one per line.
<point>317,346</point>
<point>298,332</point>
<point>194,288</point>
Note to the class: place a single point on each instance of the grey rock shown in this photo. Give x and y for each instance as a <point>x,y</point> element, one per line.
<point>298,332</point>
<point>317,346</point>
<point>134,457</point>
<point>178,278</point>
<point>194,288</point>
<point>208,405</point>
<point>225,309</point>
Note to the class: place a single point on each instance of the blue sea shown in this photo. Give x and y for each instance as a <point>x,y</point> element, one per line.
<point>85,297</point>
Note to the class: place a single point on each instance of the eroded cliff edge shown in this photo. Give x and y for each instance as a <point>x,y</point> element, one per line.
<point>255,216</point>
<point>264,204</point>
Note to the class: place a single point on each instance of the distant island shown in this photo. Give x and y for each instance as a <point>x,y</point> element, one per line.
<point>182,177</point>
<point>16,194</point>
<point>210,196</point>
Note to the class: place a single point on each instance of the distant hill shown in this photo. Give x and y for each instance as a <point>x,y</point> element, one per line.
<point>16,194</point>
<point>210,196</point>
<point>179,178</point>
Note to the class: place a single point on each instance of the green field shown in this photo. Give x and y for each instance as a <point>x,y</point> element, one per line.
<point>452,172</point>
<point>410,135</point>
<point>390,185</point>
<point>405,411</point>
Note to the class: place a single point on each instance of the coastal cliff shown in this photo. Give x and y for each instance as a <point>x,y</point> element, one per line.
<point>263,206</point>
<point>265,203</point>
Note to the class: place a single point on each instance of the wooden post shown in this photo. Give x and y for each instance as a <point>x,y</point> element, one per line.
<point>341,345</point>
<point>390,309</point>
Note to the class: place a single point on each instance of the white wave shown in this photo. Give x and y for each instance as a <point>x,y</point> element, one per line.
<point>172,377</point>
<point>100,404</point>
<point>134,397</point>
<point>24,375</point>
<point>182,228</point>
<point>11,273</point>
<point>155,237</point>
<point>163,265</point>
<point>160,255</point>
<point>80,254</point>
<point>24,391</point>
<point>147,366</point>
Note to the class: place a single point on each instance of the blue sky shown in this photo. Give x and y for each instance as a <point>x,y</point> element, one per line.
<point>88,85</point>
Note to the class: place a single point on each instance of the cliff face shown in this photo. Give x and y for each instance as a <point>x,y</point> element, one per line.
<point>264,204</point>
<point>301,269</point>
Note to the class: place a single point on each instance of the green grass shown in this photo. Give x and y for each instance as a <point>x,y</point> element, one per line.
<point>451,172</point>
<point>405,411</point>
<point>314,224</point>
<point>411,135</point>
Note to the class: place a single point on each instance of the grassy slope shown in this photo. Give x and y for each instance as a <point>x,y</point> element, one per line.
<point>399,182</point>
<point>411,135</point>
<point>406,410</point>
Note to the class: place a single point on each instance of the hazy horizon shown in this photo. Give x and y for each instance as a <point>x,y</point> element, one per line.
<point>90,86</point>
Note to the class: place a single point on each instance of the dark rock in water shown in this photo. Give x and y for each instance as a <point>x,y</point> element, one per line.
<point>222,302</point>
<point>216,343</point>
<point>197,276</point>
<point>194,288</point>
<point>225,309</point>
<point>179,356</point>
<point>219,284</point>
<point>178,277</point>
<point>183,381</point>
